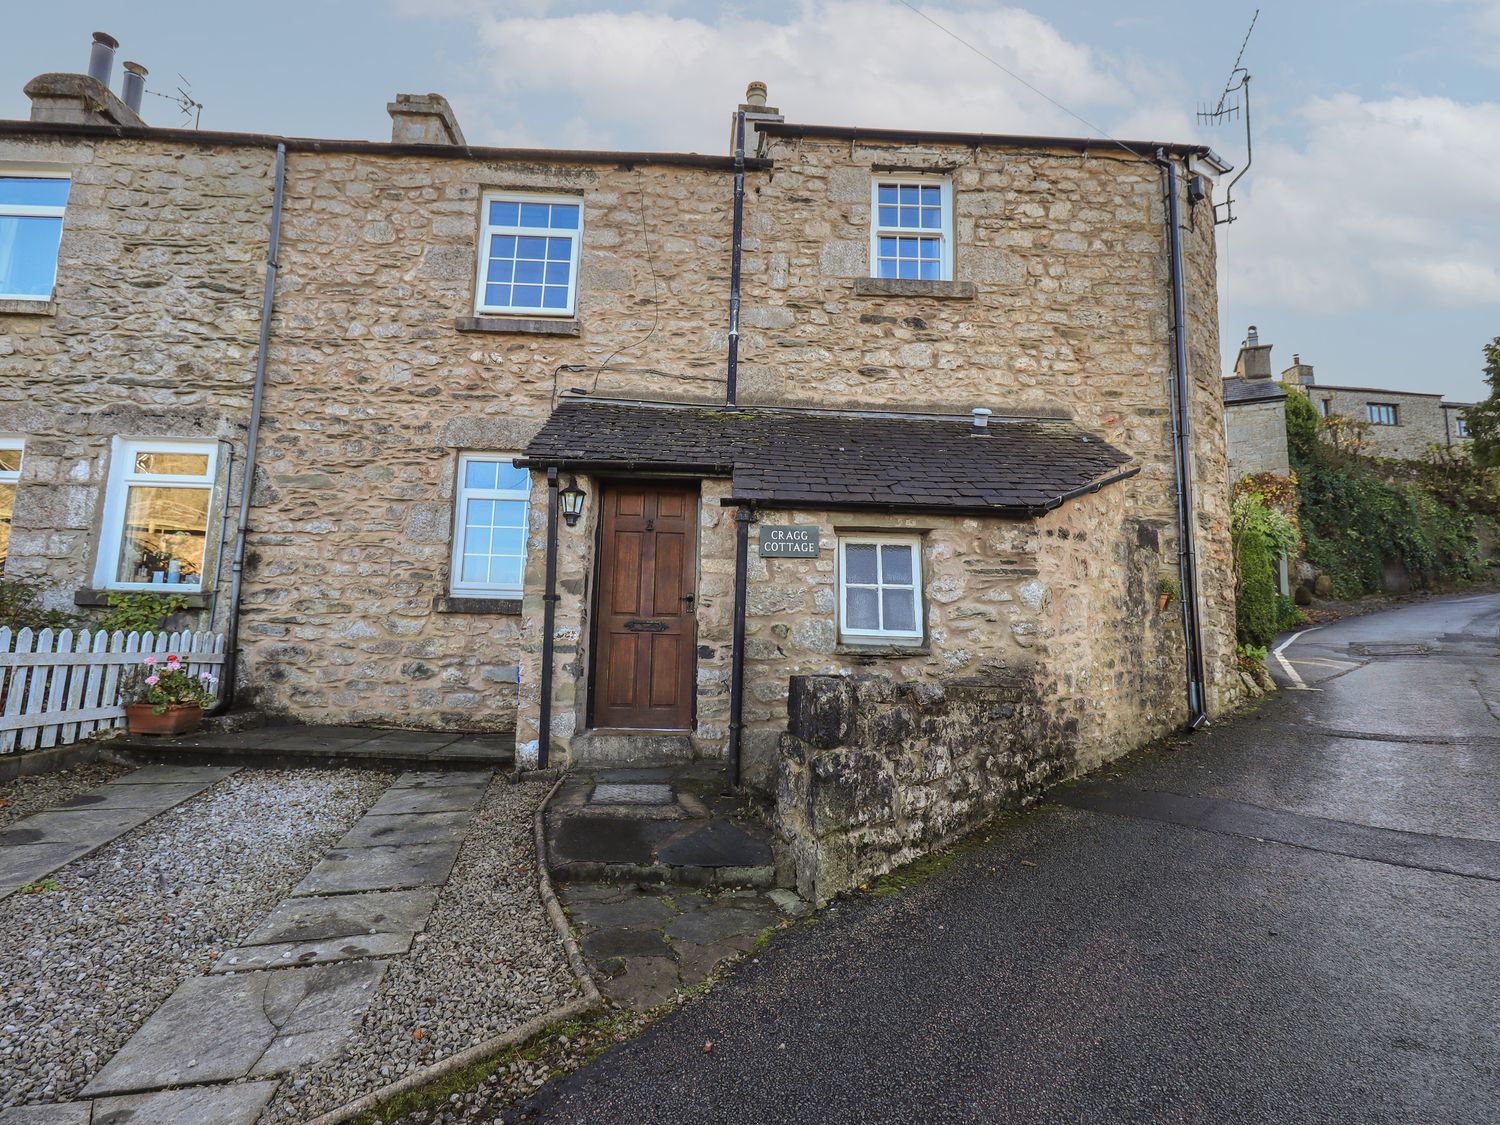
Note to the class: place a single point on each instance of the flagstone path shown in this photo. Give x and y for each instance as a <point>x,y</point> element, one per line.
<point>294,992</point>
<point>36,846</point>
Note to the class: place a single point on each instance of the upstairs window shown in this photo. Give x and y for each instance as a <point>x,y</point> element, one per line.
<point>880,588</point>
<point>1380,413</point>
<point>489,538</point>
<point>31,221</point>
<point>11,452</point>
<point>156,515</point>
<point>528,255</point>
<point>1460,426</point>
<point>911,229</point>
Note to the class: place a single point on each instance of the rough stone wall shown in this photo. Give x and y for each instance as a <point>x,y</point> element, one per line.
<point>151,333</point>
<point>1256,434</point>
<point>1067,257</point>
<point>876,772</point>
<point>1419,419</point>
<point>372,391</point>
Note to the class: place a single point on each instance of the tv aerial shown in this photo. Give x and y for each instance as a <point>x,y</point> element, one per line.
<point>1233,104</point>
<point>183,99</point>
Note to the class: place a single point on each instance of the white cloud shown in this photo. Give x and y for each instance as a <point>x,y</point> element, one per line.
<point>1384,200</point>
<point>660,79</point>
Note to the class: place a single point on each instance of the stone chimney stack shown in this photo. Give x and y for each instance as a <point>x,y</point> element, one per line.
<point>82,99</point>
<point>423,119</point>
<point>1299,374</point>
<point>755,109</point>
<point>1254,360</point>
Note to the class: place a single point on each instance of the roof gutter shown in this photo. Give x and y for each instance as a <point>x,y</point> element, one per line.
<point>247,482</point>
<point>1187,554</point>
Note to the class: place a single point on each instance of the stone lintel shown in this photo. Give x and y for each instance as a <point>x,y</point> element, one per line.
<point>536,325</point>
<point>908,287</point>
<point>77,99</point>
<point>423,119</point>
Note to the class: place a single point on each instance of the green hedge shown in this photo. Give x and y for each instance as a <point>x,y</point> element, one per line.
<point>1255,591</point>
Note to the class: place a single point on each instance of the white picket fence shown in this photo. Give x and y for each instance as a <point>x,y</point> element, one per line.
<point>60,688</point>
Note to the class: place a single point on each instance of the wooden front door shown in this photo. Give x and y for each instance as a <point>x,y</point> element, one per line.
<point>645,633</point>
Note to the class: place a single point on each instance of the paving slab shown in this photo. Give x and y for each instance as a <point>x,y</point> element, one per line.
<point>449,798</point>
<point>149,795</point>
<point>406,828</point>
<point>634,911</point>
<point>398,743</point>
<point>222,1105</point>
<point>623,793</point>
<point>26,863</point>
<point>289,954</point>
<point>703,927</point>
<point>438,779</point>
<point>167,774</point>
<point>718,843</point>
<point>90,827</point>
<point>219,1028</point>
<point>608,839</point>
<point>340,916</point>
<point>68,1113</point>
<point>380,869</point>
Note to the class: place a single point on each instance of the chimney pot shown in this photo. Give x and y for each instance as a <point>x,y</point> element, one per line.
<point>755,94</point>
<point>1252,338</point>
<point>981,416</point>
<point>133,86</point>
<point>102,56</point>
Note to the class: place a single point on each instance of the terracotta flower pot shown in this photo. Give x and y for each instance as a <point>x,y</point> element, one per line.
<point>179,719</point>
<point>1161,600</point>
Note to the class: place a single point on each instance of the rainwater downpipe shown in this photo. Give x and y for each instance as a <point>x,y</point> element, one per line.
<point>1187,553</point>
<point>549,620</point>
<point>732,375</point>
<point>742,518</point>
<point>247,475</point>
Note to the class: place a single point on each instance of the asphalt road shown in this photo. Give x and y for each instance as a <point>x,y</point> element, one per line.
<point>1292,917</point>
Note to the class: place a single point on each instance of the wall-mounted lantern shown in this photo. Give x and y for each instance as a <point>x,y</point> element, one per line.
<point>572,501</point>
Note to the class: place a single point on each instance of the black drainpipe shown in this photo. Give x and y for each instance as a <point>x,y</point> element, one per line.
<point>1187,554</point>
<point>742,518</point>
<point>731,382</point>
<point>549,617</point>
<point>230,669</point>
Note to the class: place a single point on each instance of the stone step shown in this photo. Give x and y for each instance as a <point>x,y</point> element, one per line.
<point>700,851</point>
<point>632,748</point>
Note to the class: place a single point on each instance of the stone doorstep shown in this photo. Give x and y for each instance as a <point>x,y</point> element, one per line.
<point>628,793</point>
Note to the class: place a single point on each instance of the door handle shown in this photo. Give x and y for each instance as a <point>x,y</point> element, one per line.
<point>692,602</point>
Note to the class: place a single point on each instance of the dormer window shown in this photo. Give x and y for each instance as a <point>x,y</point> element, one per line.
<point>911,228</point>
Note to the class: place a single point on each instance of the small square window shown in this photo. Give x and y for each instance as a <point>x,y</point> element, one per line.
<point>31,222</point>
<point>528,262</point>
<point>911,230</point>
<point>490,526</point>
<point>880,588</point>
<point>1460,426</point>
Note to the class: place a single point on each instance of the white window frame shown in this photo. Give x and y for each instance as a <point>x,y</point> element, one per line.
<point>12,477</point>
<point>913,636</point>
<point>1372,407</point>
<point>461,496</point>
<point>30,210</point>
<point>944,233</point>
<point>1460,426</point>
<point>122,475</point>
<point>483,254</point>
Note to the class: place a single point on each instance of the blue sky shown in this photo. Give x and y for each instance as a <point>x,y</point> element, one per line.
<point>1369,230</point>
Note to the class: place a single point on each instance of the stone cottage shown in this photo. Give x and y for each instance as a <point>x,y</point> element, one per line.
<point>620,449</point>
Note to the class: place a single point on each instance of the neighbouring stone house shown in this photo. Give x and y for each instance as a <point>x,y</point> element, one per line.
<point>1399,424</point>
<point>621,448</point>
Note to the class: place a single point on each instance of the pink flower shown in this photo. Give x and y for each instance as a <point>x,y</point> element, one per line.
<point>150,660</point>
<point>153,680</point>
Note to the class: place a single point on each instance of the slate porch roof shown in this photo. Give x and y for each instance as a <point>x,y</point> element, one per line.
<point>824,459</point>
<point>1237,391</point>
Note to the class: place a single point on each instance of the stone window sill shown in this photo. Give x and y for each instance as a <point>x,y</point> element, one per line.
<point>903,287</point>
<point>92,598</point>
<point>12,307</point>
<point>508,606</point>
<point>882,651</point>
<point>523,325</point>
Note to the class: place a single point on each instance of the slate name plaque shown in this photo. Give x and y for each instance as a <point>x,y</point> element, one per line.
<point>783,542</point>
